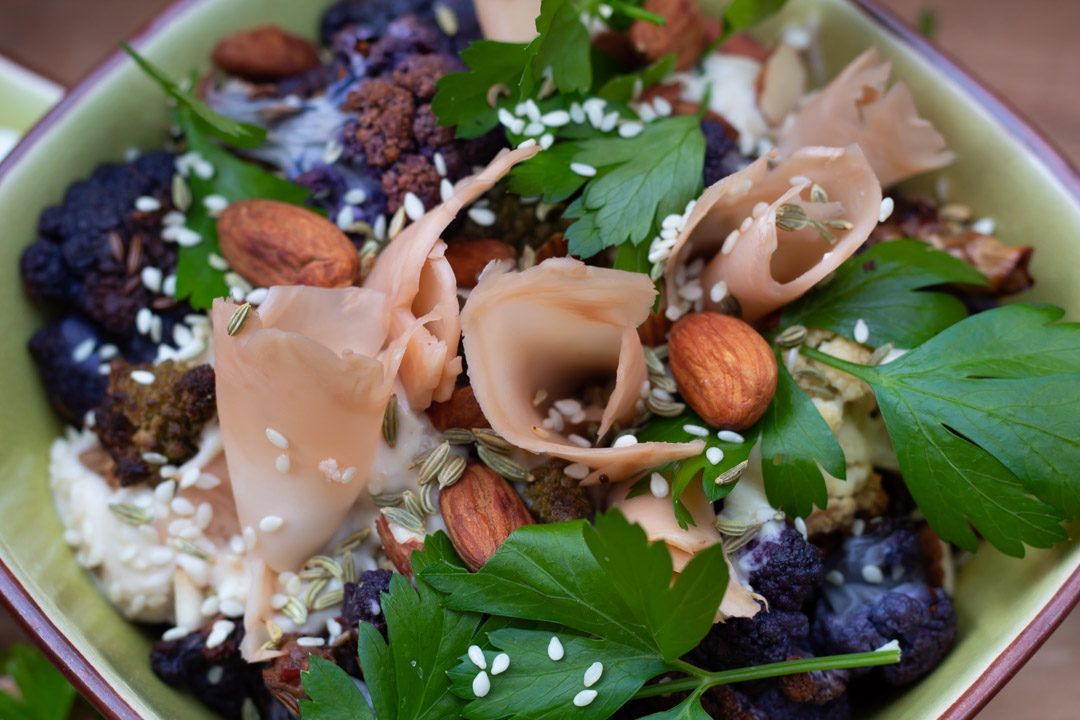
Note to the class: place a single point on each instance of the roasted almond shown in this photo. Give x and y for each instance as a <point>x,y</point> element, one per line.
<point>480,511</point>
<point>468,258</point>
<point>723,368</point>
<point>274,243</point>
<point>686,32</point>
<point>265,53</point>
<point>460,411</point>
<point>399,551</point>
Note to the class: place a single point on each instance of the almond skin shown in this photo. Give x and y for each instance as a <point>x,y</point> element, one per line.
<point>460,411</point>
<point>265,53</point>
<point>468,258</point>
<point>274,243</point>
<point>399,553</point>
<point>480,511</point>
<point>723,368</point>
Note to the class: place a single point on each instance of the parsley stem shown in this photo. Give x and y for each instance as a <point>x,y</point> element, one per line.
<point>849,367</point>
<point>705,680</point>
<point>636,13</point>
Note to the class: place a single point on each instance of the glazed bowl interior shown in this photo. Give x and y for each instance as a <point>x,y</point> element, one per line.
<point>117,108</point>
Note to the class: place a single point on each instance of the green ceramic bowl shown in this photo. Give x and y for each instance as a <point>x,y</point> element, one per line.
<point>1007,607</point>
<point>24,98</point>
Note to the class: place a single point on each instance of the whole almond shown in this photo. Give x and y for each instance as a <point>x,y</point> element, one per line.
<point>480,511</point>
<point>265,53</point>
<point>274,243</point>
<point>460,411</point>
<point>400,553</point>
<point>469,257</point>
<point>723,368</point>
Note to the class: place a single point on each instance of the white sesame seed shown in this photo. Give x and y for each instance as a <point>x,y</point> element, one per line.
<point>630,129</point>
<point>517,128</point>
<point>584,698</point>
<point>577,471</point>
<point>506,118</point>
<point>186,237</point>
<point>215,674</point>
<point>476,656</point>
<point>624,441</point>
<point>147,204</point>
<point>593,673</point>
<point>528,143</point>
<point>271,523</point>
<point>718,291</point>
<point>203,169</point>
<point>440,164</point>
<point>714,455</point>
<point>334,628</point>
<point>663,107</point>
<point>83,350</point>
<point>482,216</point>
<point>173,217</point>
<point>414,206</point>
<point>348,474</point>
<point>547,140</point>
<point>143,320</point>
<point>310,641</point>
<point>862,331</point>
<point>582,169</point>
<point>746,223</point>
<point>577,113</point>
<point>609,122</point>
<point>168,285</point>
<point>282,463</point>
<point>730,436</point>
<point>217,262</point>
<point>232,607</point>
<point>984,226</point>
<point>696,430</point>
<point>800,525</point>
<point>534,128</point>
<point>646,113</point>
<point>151,278</point>
<point>345,217</point>
<point>578,440</point>
<point>555,649</point>
<point>567,406</point>
<point>658,485</point>
<point>174,633</point>
<point>481,684</point>
<point>182,506</point>
<point>858,527</point>
<point>127,554</point>
<point>886,209</point>
<point>159,556</point>
<point>182,335</point>
<point>729,242</point>
<point>107,351</point>
<point>219,633</point>
<point>257,296</point>
<point>215,204</point>
<point>835,577</point>
<point>165,491</point>
<point>356,196</point>
<point>380,228</point>
<point>691,291</point>
<point>872,574</point>
<point>500,663</point>
<point>276,438</point>
<point>556,118</point>
<point>143,377</point>
<point>157,328</point>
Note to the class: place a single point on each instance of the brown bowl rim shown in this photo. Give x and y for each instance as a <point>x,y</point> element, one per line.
<point>86,678</point>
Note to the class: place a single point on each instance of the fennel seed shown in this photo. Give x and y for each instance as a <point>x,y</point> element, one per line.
<point>458,436</point>
<point>239,317</point>
<point>793,217</point>
<point>818,194</point>
<point>503,465</point>
<point>390,421</point>
<point>295,610</point>
<point>404,519</point>
<point>792,336</point>
<point>492,440</point>
<point>433,463</point>
<point>312,591</point>
<point>729,476</point>
<point>879,355</point>
<point>130,514</point>
<point>328,599</point>
<point>451,471</point>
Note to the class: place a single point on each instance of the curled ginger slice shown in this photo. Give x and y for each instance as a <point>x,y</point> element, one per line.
<point>733,229</point>
<point>555,328</point>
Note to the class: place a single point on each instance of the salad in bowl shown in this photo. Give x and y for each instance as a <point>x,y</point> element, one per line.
<point>543,360</point>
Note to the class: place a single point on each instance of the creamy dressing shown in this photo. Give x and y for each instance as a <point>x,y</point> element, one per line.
<point>731,81</point>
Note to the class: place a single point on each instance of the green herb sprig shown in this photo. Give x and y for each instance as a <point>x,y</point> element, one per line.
<point>603,592</point>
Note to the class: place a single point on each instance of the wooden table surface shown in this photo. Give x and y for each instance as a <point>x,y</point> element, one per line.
<point>1027,51</point>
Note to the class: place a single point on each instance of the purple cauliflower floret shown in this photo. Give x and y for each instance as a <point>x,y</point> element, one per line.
<point>875,592</point>
<point>219,677</point>
<point>734,703</point>
<point>770,636</point>
<point>375,15</point>
<point>74,384</point>
<point>781,565</point>
<point>362,602</point>
<point>722,157</point>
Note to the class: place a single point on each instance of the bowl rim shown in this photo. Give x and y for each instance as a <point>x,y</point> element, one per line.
<point>93,686</point>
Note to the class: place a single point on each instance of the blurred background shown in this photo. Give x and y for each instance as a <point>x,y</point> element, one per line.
<point>1026,51</point>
